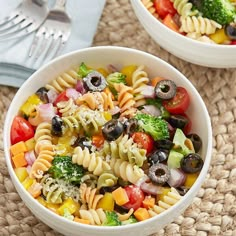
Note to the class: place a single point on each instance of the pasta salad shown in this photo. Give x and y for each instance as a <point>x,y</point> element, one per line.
<point>106,146</point>
<point>209,21</point>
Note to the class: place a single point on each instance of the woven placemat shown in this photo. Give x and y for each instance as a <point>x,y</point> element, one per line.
<point>213,211</point>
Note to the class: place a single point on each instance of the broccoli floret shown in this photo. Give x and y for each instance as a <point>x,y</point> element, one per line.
<point>131,220</point>
<point>117,78</point>
<point>63,168</point>
<point>83,70</point>
<point>111,219</point>
<point>221,11</point>
<point>154,126</point>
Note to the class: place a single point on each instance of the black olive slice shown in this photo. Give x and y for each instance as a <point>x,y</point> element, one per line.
<point>158,156</point>
<point>112,130</point>
<point>165,89</point>
<point>95,82</point>
<point>159,173</point>
<point>178,121</point>
<point>130,126</point>
<point>42,93</point>
<point>57,123</point>
<point>164,144</point>
<point>196,141</point>
<point>191,163</point>
<point>230,31</point>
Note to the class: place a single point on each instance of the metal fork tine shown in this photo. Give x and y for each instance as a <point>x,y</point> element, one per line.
<point>34,45</point>
<point>7,19</point>
<point>13,25</point>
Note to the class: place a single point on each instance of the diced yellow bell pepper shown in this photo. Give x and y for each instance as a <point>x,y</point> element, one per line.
<point>219,36</point>
<point>107,115</point>
<point>103,71</point>
<point>30,144</point>
<point>41,200</point>
<point>70,205</point>
<point>107,202</point>
<point>128,71</point>
<point>53,207</point>
<point>190,179</point>
<point>21,173</point>
<point>161,196</point>
<point>29,106</point>
<point>28,182</point>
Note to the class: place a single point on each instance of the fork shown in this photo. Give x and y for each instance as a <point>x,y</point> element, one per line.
<point>26,18</point>
<point>53,34</point>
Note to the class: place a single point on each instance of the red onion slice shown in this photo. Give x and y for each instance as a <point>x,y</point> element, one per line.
<point>148,91</point>
<point>72,93</point>
<point>52,95</point>
<point>151,110</point>
<point>177,178</point>
<point>80,87</point>
<point>30,157</point>
<point>150,188</point>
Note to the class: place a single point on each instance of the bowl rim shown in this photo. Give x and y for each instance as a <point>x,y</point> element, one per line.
<point>178,36</point>
<point>192,190</point>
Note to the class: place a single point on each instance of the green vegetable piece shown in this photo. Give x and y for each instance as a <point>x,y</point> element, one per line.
<point>83,70</point>
<point>174,159</point>
<point>63,168</point>
<point>111,219</point>
<point>131,220</point>
<point>221,11</point>
<point>179,141</point>
<point>154,126</point>
<point>117,78</point>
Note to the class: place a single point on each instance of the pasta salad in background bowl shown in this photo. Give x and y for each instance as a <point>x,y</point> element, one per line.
<point>202,32</point>
<point>107,140</point>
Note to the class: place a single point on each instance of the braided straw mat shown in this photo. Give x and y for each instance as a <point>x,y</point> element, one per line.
<point>213,211</point>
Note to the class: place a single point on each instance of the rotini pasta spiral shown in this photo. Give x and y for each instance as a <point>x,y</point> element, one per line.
<point>139,81</point>
<point>85,119</point>
<point>106,180</point>
<point>199,37</point>
<point>42,135</point>
<point>95,217</point>
<point>67,108</point>
<point>89,196</point>
<point>90,180</point>
<point>57,190</point>
<point>125,149</point>
<point>52,190</point>
<point>184,7</point>
<point>63,81</point>
<point>90,161</point>
<point>126,171</point>
<point>169,200</point>
<point>45,150</point>
<point>96,100</point>
<point>125,96</point>
<point>150,7</point>
<point>198,24</point>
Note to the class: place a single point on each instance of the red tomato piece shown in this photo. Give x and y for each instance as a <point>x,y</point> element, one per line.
<point>179,103</point>
<point>170,23</point>
<point>135,195</point>
<point>61,97</point>
<point>233,42</point>
<point>21,130</point>
<point>164,7</point>
<point>98,140</point>
<point>144,140</point>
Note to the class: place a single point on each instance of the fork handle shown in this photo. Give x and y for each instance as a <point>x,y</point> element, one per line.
<point>60,5</point>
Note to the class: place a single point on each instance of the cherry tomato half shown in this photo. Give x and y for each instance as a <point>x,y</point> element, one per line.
<point>164,7</point>
<point>179,103</point>
<point>61,97</point>
<point>188,126</point>
<point>21,130</point>
<point>135,195</point>
<point>144,140</point>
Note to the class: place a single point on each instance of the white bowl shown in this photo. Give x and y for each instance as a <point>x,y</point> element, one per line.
<point>102,56</point>
<point>204,54</point>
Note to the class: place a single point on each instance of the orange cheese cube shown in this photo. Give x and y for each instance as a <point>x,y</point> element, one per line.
<point>18,148</point>
<point>120,196</point>
<point>19,160</point>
